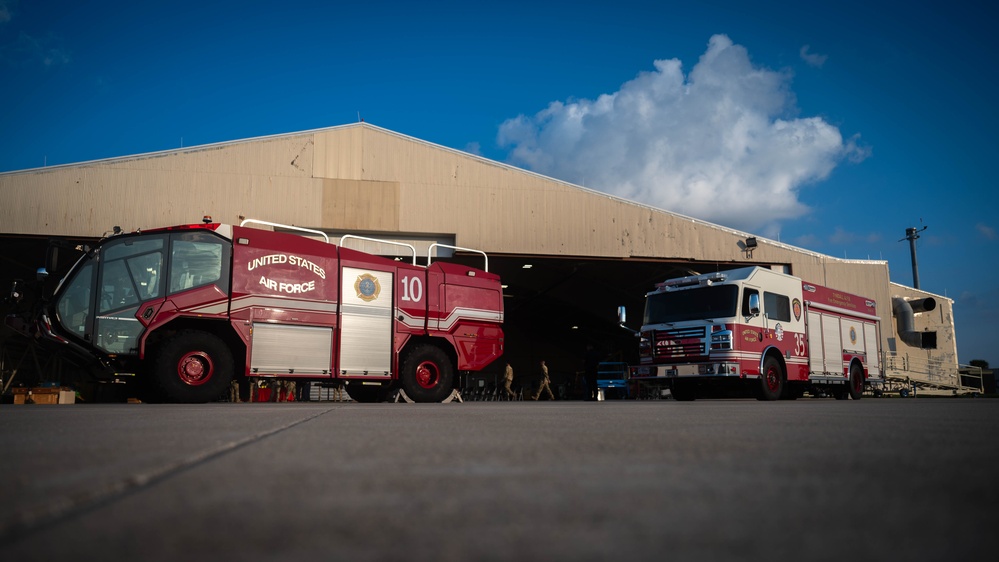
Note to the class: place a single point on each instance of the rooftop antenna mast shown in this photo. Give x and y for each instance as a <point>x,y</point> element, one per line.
<point>912,234</point>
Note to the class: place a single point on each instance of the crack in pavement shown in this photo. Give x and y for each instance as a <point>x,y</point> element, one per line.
<point>30,521</point>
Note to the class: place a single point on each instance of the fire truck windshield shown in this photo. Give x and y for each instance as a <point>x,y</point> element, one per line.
<point>712,302</point>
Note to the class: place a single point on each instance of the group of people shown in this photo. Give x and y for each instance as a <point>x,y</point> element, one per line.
<point>544,385</point>
<point>591,363</point>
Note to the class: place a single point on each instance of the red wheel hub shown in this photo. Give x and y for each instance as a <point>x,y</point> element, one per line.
<point>428,375</point>
<point>772,379</point>
<point>195,368</point>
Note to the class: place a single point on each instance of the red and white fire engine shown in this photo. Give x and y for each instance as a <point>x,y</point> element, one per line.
<point>189,308</point>
<point>770,333</point>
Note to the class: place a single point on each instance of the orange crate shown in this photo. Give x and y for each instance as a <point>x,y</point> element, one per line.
<point>44,395</point>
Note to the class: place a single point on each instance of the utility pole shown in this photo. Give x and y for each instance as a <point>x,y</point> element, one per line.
<point>912,234</point>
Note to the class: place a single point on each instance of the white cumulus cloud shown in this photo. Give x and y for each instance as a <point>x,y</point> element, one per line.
<point>841,237</point>
<point>6,7</point>
<point>813,59</point>
<point>720,143</point>
<point>987,231</point>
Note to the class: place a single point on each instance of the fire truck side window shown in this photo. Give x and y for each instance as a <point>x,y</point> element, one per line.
<point>777,307</point>
<point>745,301</point>
<point>131,273</point>
<point>74,303</point>
<point>197,259</point>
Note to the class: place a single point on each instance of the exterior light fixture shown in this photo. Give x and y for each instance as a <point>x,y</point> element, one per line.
<point>751,243</point>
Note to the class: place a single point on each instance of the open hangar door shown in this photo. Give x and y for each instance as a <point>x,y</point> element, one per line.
<point>20,259</point>
<point>561,308</point>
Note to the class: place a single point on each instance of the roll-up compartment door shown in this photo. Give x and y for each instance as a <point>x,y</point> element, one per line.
<point>832,345</point>
<point>852,332</point>
<point>815,354</point>
<point>871,347</point>
<point>366,304</point>
<point>291,349</point>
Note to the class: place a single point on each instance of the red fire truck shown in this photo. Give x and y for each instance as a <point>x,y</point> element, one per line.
<point>190,308</point>
<point>769,333</point>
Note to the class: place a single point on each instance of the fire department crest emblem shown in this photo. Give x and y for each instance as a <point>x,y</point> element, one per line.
<point>853,335</point>
<point>796,308</point>
<point>367,287</point>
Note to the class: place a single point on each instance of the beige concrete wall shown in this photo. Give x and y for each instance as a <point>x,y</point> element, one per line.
<point>271,177</point>
<point>363,178</point>
<point>941,320</point>
<point>355,205</point>
<point>503,209</point>
<point>338,153</point>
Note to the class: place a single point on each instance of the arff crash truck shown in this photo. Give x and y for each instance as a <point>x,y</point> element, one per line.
<point>760,332</point>
<point>188,309</point>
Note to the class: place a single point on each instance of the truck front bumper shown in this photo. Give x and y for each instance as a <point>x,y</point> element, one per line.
<point>691,370</point>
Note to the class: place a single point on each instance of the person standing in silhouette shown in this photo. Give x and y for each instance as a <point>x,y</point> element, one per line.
<point>545,383</point>
<point>507,381</point>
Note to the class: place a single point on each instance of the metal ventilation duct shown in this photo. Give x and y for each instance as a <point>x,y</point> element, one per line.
<point>905,323</point>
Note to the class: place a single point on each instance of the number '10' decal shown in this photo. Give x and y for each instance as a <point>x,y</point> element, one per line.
<point>412,289</point>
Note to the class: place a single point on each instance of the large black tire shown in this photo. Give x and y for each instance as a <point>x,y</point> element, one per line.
<point>771,380</point>
<point>367,393</point>
<point>683,391</point>
<point>792,391</point>
<point>427,374</point>
<point>856,383</point>
<point>191,367</point>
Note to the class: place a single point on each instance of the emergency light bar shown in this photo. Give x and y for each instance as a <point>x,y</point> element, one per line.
<point>706,279</point>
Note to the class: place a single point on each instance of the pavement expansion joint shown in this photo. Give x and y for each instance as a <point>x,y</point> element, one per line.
<point>30,521</point>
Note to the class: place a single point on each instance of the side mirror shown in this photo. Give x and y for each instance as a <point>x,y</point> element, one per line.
<point>622,316</point>
<point>754,304</point>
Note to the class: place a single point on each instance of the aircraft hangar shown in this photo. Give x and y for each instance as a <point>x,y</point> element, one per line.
<point>568,255</point>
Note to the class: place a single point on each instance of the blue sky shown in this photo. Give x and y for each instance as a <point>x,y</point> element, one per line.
<point>831,128</point>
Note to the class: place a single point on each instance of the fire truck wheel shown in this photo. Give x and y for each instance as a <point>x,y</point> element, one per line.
<point>856,382</point>
<point>683,391</point>
<point>792,391</point>
<point>427,373</point>
<point>192,367</point>
<point>771,379</point>
<point>366,393</point>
